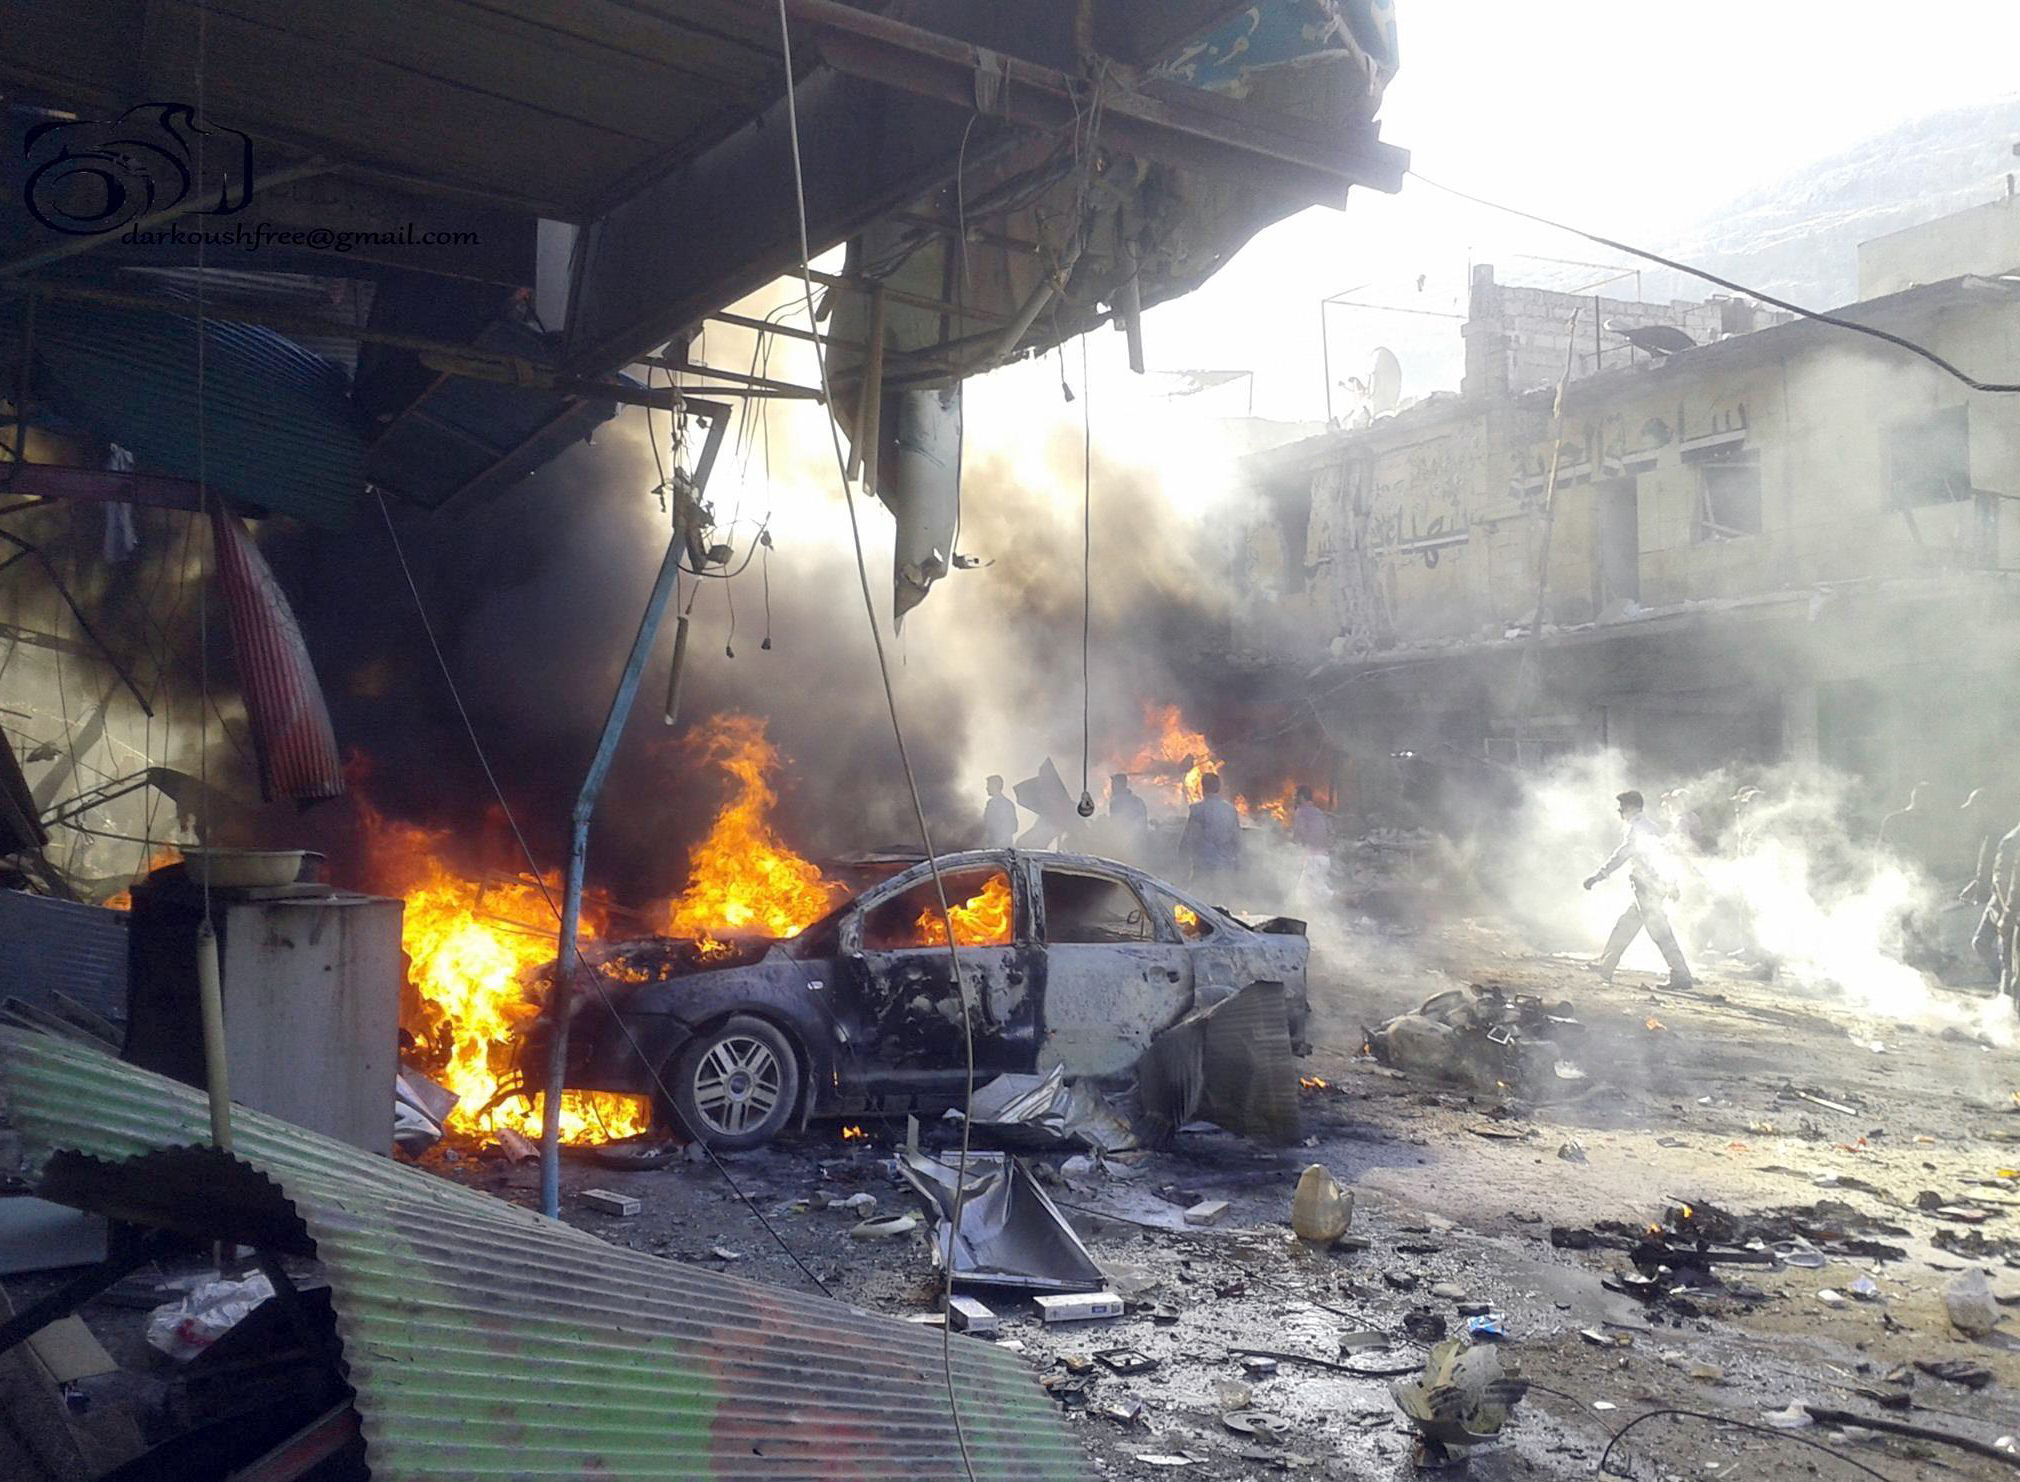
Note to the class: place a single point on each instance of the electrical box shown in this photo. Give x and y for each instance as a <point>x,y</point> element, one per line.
<point>311,979</point>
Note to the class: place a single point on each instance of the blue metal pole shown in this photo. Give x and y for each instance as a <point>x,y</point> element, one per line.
<point>568,962</point>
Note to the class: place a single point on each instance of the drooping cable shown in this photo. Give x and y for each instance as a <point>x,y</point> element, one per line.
<point>897,730</point>
<point>202,469</point>
<point>540,883</point>
<point>1770,1432</point>
<point>1086,574</point>
<point>1821,317</point>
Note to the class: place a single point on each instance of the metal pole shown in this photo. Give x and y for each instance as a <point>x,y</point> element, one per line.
<point>870,400</point>
<point>1326,360</point>
<point>568,960</point>
<point>216,1066</point>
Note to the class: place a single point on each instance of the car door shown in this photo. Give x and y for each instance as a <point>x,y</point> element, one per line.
<point>1115,970</point>
<point>1227,956</point>
<point>900,983</point>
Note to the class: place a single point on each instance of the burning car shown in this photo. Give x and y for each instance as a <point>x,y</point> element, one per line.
<point>1069,961</point>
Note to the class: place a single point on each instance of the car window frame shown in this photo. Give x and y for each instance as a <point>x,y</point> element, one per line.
<point>1218,920</point>
<point>1009,865</point>
<point>1164,931</point>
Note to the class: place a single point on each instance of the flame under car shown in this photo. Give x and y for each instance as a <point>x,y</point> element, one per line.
<point>1069,961</point>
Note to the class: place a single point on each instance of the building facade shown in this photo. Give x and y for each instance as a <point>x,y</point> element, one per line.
<point>1779,540</point>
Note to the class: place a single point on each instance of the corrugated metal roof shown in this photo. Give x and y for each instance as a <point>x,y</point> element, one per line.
<point>290,723</point>
<point>50,946</point>
<point>487,1341</point>
<point>278,419</point>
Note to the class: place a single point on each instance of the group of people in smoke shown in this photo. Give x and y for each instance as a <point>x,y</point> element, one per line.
<point>1979,842</point>
<point>1210,848</point>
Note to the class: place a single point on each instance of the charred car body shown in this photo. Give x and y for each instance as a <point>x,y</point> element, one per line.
<point>1069,961</point>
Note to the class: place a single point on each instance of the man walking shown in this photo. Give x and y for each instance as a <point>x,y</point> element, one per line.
<point>1213,839</point>
<point>1128,819</point>
<point>999,818</point>
<point>1649,876</point>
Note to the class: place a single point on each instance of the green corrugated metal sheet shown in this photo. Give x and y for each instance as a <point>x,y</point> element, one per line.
<point>485,1341</point>
<point>278,419</point>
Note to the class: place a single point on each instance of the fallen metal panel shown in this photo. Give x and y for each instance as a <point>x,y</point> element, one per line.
<point>1028,1112</point>
<point>277,418</point>
<point>1011,1234</point>
<point>486,1341</point>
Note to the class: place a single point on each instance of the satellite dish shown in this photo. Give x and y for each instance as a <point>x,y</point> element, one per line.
<point>1656,339</point>
<point>1385,381</point>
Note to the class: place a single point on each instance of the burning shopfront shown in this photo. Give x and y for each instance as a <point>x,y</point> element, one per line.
<point>272,737</point>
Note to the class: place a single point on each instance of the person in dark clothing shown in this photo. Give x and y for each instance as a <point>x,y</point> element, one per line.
<point>1128,819</point>
<point>1212,840</point>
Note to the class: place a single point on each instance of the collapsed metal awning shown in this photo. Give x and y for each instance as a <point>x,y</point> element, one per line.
<point>486,1341</point>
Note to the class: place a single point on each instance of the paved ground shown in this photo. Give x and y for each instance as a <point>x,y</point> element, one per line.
<point>1693,1099</point>
<point>1687,1099</point>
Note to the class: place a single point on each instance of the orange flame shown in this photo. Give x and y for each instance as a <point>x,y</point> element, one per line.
<point>853,1133</point>
<point>1312,1082</point>
<point>163,856</point>
<point>1173,761</point>
<point>1277,808</point>
<point>980,921</point>
<point>743,881</point>
<point>473,951</point>
<point>469,962</point>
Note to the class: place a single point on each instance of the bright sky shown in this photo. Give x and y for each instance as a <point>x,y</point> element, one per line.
<point>1630,117</point>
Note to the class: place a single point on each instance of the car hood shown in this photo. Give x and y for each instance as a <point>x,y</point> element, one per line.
<point>659,959</point>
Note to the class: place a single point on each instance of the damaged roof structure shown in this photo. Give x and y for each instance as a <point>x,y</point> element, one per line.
<point>481,231</point>
<point>480,1339</point>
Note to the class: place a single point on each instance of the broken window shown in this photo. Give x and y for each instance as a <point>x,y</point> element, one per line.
<point>1929,459</point>
<point>978,900</point>
<point>1728,494</point>
<point>1191,925</point>
<point>1091,908</point>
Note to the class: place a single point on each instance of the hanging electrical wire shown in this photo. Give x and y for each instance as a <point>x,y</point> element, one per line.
<point>1086,809</point>
<point>959,985</point>
<point>1836,320</point>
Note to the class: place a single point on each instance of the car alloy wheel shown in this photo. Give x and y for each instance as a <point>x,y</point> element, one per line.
<point>737,1084</point>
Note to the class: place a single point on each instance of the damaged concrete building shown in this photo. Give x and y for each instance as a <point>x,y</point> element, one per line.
<point>1767,538</point>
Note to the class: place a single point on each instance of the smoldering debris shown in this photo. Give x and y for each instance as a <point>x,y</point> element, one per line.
<point>1027,1112</point>
<point>1486,1039</point>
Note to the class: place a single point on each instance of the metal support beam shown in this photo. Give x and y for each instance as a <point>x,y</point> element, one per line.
<point>742,378</point>
<point>568,963</point>
<point>446,356</point>
<point>98,485</point>
<point>790,331</point>
<point>1179,125</point>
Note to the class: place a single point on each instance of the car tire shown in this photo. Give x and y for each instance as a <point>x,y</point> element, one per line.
<point>735,1086</point>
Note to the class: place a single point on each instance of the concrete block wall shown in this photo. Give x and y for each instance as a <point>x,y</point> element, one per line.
<point>1817,418</point>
